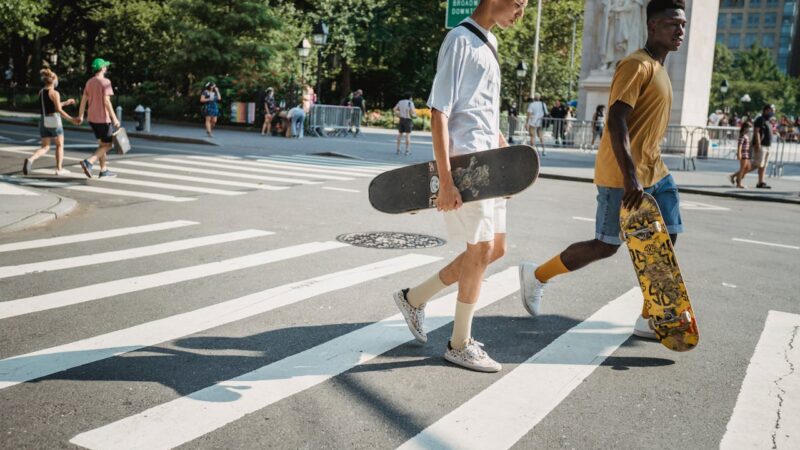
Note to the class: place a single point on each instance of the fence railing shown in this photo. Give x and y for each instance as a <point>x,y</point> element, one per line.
<point>330,120</point>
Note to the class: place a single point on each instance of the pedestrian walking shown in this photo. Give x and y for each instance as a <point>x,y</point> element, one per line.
<point>513,120</point>
<point>405,109</point>
<point>629,161</point>
<point>559,114</point>
<point>297,115</point>
<point>465,105</point>
<point>743,155</point>
<point>270,109</point>
<point>762,141</point>
<point>96,100</point>
<point>210,98</point>
<point>51,129</point>
<point>537,111</point>
<point>598,122</point>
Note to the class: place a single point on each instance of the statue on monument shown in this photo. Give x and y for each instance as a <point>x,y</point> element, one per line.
<point>623,30</point>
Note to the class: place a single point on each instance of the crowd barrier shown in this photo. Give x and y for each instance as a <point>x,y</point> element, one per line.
<point>330,120</point>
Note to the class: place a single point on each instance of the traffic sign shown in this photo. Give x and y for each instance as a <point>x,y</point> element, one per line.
<point>458,10</point>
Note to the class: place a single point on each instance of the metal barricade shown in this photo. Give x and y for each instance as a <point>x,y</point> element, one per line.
<point>330,120</point>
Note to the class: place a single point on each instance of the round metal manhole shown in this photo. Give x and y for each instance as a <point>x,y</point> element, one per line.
<point>390,240</point>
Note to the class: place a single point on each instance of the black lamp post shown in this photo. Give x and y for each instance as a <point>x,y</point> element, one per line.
<point>303,50</point>
<point>320,36</point>
<point>522,70</point>
<point>723,88</point>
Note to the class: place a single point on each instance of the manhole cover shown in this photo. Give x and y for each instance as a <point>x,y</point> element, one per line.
<point>390,240</point>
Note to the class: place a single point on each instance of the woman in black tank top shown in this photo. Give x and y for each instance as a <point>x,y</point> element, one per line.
<point>50,129</point>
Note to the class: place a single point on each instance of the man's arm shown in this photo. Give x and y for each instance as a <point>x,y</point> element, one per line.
<point>82,108</point>
<point>757,137</point>
<point>618,116</point>
<point>110,110</point>
<point>449,198</point>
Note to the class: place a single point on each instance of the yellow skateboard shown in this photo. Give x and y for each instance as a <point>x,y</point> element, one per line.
<point>665,297</point>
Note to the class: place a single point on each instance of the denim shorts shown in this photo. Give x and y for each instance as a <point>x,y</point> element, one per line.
<point>609,202</point>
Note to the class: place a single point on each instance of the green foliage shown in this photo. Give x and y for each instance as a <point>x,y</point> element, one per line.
<point>21,18</point>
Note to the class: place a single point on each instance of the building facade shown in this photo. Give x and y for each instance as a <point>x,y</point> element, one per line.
<point>772,24</point>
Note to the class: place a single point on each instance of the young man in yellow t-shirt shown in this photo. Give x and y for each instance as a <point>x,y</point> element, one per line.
<point>629,160</point>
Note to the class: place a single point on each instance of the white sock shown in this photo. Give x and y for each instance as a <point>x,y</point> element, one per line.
<point>418,296</point>
<point>462,324</point>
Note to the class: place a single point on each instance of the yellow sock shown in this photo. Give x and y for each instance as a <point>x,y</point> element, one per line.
<point>550,269</point>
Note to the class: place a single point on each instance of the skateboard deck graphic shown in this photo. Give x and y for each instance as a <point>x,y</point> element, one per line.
<point>665,296</point>
<point>500,172</point>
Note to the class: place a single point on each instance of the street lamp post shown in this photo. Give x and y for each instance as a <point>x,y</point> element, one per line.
<point>303,49</point>
<point>522,70</point>
<point>320,36</point>
<point>723,88</point>
<point>745,100</point>
<point>572,58</point>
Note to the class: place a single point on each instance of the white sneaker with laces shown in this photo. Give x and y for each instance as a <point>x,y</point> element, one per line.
<point>62,172</point>
<point>642,329</point>
<point>472,357</point>
<point>531,289</point>
<point>415,317</point>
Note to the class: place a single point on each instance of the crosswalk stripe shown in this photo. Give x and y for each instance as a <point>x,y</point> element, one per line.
<point>10,189</point>
<point>767,411</point>
<point>305,167</point>
<point>127,193</point>
<point>28,305</point>
<point>504,412</point>
<point>334,162</point>
<point>186,418</point>
<point>770,244</point>
<point>29,151</point>
<point>215,172</point>
<point>22,368</point>
<point>130,253</point>
<point>323,164</point>
<point>339,189</point>
<point>170,186</point>
<point>93,236</point>
<point>206,161</point>
<point>24,181</point>
<point>342,161</point>
<point>151,174</point>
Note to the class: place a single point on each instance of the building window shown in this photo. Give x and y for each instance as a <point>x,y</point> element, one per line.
<point>772,3</point>
<point>768,41</point>
<point>755,3</point>
<point>736,20</point>
<point>734,41</point>
<point>770,20</point>
<point>788,8</point>
<point>753,19</point>
<point>749,40</point>
<point>721,21</point>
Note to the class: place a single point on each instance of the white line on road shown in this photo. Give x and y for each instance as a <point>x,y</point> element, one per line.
<point>186,418</point>
<point>504,412</point>
<point>767,411</point>
<point>107,289</point>
<point>304,167</point>
<point>168,186</point>
<point>151,174</point>
<point>130,253</point>
<point>701,206</point>
<point>215,172</point>
<point>29,151</point>
<point>22,368</point>
<point>83,237</point>
<point>10,189</point>
<point>345,161</point>
<point>328,164</point>
<point>290,179</point>
<point>585,219</point>
<point>793,247</point>
<point>340,189</point>
<point>127,193</point>
<point>252,166</point>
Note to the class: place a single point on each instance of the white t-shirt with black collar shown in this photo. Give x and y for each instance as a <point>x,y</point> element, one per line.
<point>467,90</point>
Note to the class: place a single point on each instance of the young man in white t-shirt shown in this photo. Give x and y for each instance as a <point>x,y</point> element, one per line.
<point>405,109</point>
<point>537,111</point>
<point>465,108</point>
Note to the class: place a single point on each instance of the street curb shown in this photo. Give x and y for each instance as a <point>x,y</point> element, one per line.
<point>151,137</point>
<point>759,198</point>
<point>61,208</point>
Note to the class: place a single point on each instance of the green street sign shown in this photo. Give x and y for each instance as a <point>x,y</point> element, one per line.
<point>458,10</point>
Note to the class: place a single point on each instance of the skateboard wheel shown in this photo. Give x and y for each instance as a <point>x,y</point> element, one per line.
<point>686,316</point>
<point>651,323</point>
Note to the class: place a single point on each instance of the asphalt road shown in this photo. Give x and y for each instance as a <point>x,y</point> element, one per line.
<point>247,339</point>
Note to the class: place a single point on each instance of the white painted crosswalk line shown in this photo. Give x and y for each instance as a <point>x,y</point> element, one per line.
<point>151,174</point>
<point>504,412</point>
<point>28,305</point>
<point>340,189</point>
<point>153,184</point>
<point>10,189</point>
<point>22,368</point>
<point>220,173</point>
<point>767,411</point>
<point>246,166</point>
<point>769,244</point>
<point>130,253</point>
<point>184,419</point>
<point>127,193</point>
<point>93,236</point>
<point>344,161</point>
<point>322,164</point>
<point>27,151</point>
<point>305,167</point>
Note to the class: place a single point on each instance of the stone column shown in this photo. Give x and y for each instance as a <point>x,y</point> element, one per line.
<point>689,68</point>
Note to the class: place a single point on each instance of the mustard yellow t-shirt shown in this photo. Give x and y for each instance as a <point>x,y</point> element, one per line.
<point>642,83</point>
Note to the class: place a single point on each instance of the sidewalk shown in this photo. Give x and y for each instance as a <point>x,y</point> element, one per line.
<point>25,207</point>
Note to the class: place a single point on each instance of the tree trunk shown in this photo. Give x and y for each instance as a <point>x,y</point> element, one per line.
<point>344,79</point>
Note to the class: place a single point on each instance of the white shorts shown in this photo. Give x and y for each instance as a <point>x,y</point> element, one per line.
<point>535,121</point>
<point>760,157</point>
<point>476,221</point>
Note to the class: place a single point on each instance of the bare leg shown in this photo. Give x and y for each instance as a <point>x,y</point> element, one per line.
<point>208,125</point>
<point>100,154</point>
<point>473,265</point>
<point>452,272</point>
<point>744,167</point>
<point>541,141</point>
<point>399,135</point>
<point>60,152</point>
<point>41,150</point>
<point>408,143</point>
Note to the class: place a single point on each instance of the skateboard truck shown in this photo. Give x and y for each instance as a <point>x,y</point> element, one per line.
<point>684,319</point>
<point>642,233</point>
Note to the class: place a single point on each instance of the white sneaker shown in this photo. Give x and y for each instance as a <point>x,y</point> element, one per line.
<point>472,357</point>
<point>531,289</point>
<point>62,172</point>
<point>642,329</point>
<point>415,317</point>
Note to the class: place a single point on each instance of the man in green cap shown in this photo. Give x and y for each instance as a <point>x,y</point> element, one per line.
<point>97,95</point>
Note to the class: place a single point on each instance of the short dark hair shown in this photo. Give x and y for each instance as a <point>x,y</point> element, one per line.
<point>656,7</point>
<point>766,107</point>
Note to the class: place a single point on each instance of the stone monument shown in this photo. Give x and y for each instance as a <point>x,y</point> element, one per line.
<point>615,28</point>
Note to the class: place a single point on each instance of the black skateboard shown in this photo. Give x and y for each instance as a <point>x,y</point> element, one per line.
<point>500,172</point>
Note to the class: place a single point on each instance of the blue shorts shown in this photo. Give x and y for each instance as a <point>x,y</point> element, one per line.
<point>609,202</point>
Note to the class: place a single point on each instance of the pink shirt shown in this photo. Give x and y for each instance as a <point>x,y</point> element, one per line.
<point>97,88</point>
